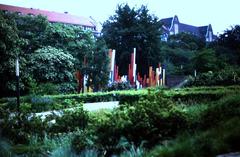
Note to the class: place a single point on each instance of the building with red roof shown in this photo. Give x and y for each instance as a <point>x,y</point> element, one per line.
<point>85,23</point>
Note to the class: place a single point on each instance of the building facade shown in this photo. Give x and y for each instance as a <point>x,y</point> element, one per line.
<point>172,26</point>
<point>66,18</point>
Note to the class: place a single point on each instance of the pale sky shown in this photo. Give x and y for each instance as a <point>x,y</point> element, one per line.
<point>222,14</point>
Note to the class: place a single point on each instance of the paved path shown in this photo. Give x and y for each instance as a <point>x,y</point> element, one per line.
<point>181,84</point>
<point>87,106</point>
<point>100,105</point>
<point>236,154</point>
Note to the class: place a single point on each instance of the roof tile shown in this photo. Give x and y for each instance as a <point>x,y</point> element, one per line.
<point>51,16</point>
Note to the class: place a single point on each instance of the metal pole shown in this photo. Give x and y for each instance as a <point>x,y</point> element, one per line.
<point>18,91</point>
<point>195,73</point>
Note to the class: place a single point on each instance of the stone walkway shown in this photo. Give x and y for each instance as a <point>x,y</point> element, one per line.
<point>100,105</point>
<point>237,154</point>
<point>87,106</point>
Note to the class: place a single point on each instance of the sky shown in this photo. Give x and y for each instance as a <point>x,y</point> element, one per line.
<point>221,14</point>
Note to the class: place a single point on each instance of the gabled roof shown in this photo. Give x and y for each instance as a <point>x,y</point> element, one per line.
<point>189,28</point>
<point>51,16</point>
<point>200,31</point>
<point>203,30</point>
<point>167,22</point>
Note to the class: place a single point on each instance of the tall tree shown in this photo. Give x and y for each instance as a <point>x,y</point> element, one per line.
<point>9,49</point>
<point>52,65</point>
<point>32,29</point>
<point>99,65</point>
<point>130,28</point>
<point>230,41</point>
<point>205,61</point>
<point>178,52</point>
<point>71,39</point>
<point>90,54</point>
<point>186,41</point>
<point>49,52</point>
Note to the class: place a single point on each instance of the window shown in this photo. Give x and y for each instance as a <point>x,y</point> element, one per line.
<point>30,14</point>
<point>5,11</point>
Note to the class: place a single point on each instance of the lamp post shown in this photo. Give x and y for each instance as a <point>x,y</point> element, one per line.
<point>17,87</point>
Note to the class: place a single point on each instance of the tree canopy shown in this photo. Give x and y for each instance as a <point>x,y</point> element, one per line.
<point>230,41</point>
<point>133,28</point>
<point>10,44</point>
<point>49,52</point>
<point>52,52</point>
<point>58,65</point>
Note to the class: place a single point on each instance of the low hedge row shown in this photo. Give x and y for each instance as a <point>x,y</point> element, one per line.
<point>18,129</point>
<point>215,132</point>
<point>34,103</point>
<point>200,94</point>
<point>55,102</point>
<point>149,121</point>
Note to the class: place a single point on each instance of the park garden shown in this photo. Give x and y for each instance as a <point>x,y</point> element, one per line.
<point>200,119</point>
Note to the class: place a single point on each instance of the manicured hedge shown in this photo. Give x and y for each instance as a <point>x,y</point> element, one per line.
<point>201,94</point>
<point>216,132</point>
<point>54,102</point>
<point>146,121</point>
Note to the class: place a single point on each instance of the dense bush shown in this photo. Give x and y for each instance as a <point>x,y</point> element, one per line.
<point>34,104</point>
<point>119,86</point>
<point>154,118</point>
<point>198,96</point>
<point>5,148</point>
<point>46,89</point>
<point>227,76</point>
<point>83,141</point>
<point>220,121</point>
<point>39,104</point>
<point>223,109</point>
<point>70,120</point>
<point>151,119</point>
<point>51,89</point>
<point>67,88</point>
<point>218,140</point>
<point>19,128</point>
